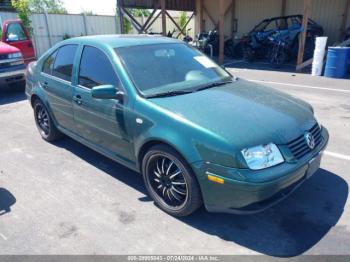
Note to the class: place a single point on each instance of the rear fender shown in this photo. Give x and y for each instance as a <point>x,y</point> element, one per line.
<point>37,91</point>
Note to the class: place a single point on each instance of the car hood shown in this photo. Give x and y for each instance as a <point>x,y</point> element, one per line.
<point>243,113</point>
<point>7,49</point>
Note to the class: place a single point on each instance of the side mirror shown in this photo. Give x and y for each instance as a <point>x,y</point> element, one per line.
<point>107,92</point>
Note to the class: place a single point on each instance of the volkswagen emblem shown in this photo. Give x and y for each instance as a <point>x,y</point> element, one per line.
<point>310,140</point>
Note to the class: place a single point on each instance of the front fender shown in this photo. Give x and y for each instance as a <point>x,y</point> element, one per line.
<point>166,135</point>
<point>193,142</point>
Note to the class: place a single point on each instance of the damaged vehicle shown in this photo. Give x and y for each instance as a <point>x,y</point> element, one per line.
<point>197,134</point>
<point>258,43</point>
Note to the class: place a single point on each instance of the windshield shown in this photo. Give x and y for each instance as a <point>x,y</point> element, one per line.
<point>165,68</point>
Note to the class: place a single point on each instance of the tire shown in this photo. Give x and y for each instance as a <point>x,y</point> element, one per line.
<point>248,55</point>
<point>44,123</point>
<point>170,181</point>
<point>229,48</point>
<point>238,50</point>
<point>278,56</point>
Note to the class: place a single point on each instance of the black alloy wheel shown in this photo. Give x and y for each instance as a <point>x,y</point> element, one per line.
<point>44,123</point>
<point>170,181</point>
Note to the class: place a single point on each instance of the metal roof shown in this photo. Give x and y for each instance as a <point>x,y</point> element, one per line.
<point>178,5</point>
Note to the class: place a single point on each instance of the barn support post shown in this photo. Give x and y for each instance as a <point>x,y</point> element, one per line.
<point>201,21</point>
<point>283,7</point>
<point>307,6</point>
<point>225,12</point>
<point>199,17</point>
<point>163,11</point>
<point>210,17</point>
<point>344,20</point>
<point>221,30</point>
<point>233,19</point>
<point>120,16</point>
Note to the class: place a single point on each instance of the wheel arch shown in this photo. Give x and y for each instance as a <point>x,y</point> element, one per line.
<point>33,98</point>
<point>153,142</point>
<point>38,94</point>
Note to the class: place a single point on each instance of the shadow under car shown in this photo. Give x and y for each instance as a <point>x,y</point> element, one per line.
<point>288,229</point>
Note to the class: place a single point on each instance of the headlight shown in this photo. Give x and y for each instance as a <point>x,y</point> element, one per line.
<point>15,55</point>
<point>260,157</point>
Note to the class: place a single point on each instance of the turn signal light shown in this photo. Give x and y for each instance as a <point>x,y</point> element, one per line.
<point>216,179</point>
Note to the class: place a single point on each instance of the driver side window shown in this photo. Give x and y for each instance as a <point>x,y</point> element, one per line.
<point>15,32</point>
<point>96,69</point>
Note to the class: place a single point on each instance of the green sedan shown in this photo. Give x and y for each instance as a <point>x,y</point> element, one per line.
<point>197,134</point>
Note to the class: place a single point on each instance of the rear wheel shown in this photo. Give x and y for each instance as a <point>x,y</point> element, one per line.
<point>44,123</point>
<point>278,56</point>
<point>170,181</point>
<point>229,48</point>
<point>248,54</point>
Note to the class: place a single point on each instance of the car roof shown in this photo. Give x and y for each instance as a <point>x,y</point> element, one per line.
<point>116,41</point>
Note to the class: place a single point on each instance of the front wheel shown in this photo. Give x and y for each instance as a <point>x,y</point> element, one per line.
<point>170,181</point>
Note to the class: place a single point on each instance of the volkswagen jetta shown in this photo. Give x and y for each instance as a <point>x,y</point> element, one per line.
<point>196,133</point>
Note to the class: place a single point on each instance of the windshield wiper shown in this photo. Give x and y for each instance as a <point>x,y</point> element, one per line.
<point>211,85</point>
<point>170,93</point>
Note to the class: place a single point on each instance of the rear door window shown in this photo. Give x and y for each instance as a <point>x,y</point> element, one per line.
<point>48,64</point>
<point>63,65</point>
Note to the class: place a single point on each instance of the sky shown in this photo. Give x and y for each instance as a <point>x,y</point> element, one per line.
<point>98,7</point>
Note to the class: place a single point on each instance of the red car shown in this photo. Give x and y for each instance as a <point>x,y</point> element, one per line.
<point>16,51</point>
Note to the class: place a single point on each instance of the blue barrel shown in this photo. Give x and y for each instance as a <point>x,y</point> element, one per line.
<point>349,60</point>
<point>337,62</point>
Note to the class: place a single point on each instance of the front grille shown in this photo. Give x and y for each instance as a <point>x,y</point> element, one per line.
<point>299,147</point>
<point>4,56</point>
<point>5,65</point>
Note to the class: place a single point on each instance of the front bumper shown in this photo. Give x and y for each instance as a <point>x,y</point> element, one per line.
<point>12,76</point>
<point>239,195</point>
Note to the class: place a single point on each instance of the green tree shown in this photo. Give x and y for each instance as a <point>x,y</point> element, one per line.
<point>140,12</point>
<point>49,6</point>
<point>23,11</point>
<point>183,19</point>
<point>25,7</point>
<point>87,13</point>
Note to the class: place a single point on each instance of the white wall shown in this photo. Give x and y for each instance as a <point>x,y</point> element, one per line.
<point>51,31</point>
<point>57,26</point>
<point>47,33</point>
<point>7,16</point>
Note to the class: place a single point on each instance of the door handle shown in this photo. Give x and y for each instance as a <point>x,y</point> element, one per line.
<point>77,99</point>
<point>44,85</point>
